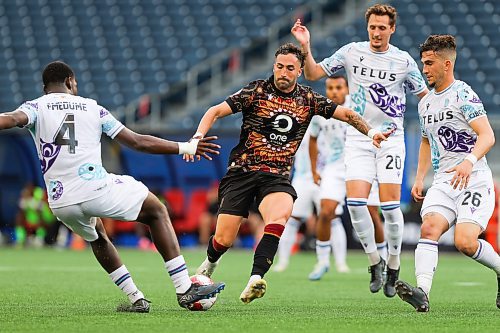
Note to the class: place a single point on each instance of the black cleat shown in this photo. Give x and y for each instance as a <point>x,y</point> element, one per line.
<point>139,306</point>
<point>416,297</point>
<point>498,293</point>
<point>390,282</point>
<point>377,278</point>
<point>197,292</point>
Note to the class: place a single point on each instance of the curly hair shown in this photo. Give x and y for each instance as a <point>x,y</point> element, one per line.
<point>56,72</point>
<point>290,48</point>
<point>439,43</point>
<point>381,10</point>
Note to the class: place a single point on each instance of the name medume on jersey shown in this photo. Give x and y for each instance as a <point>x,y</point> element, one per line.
<point>61,106</point>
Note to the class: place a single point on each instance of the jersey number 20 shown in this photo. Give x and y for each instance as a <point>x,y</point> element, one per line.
<point>66,133</point>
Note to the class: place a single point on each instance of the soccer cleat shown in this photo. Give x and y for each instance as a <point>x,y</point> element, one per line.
<point>254,290</point>
<point>498,293</point>
<point>318,271</point>
<point>139,306</point>
<point>390,282</point>
<point>377,276</point>
<point>207,268</point>
<point>342,268</point>
<point>280,267</point>
<point>416,297</point>
<point>197,292</point>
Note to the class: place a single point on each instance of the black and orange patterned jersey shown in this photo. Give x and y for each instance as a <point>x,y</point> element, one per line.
<point>274,124</point>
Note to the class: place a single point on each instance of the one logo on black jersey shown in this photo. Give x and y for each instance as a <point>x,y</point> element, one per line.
<point>283,123</point>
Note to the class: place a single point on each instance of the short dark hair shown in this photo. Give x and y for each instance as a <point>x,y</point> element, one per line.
<point>381,10</point>
<point>56,72</point>
<point>290,48</point>
<point>440,43</point>
<point>338,76</point>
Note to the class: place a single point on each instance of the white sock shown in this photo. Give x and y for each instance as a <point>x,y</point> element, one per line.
<point>338,240</point>
<point>178,272</point>
<point>394,224</point>
<point>426,260</point>
<point>287,240</point>
<point>363,225</point>
<point>382,250</point>
<point>122,278</point>
<point>487,256</point>
<point>323,250</point>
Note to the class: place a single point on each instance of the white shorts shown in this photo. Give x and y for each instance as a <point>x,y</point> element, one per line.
<point>373,197</point>
<point>332,186</point>
<point>123,201</point>
<point>307,197</point>
<point>475,203</point>
<point>366,162</point>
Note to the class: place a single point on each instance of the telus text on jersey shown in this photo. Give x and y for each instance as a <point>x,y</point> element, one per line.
<point>375,73</point>
<point>436,118</point>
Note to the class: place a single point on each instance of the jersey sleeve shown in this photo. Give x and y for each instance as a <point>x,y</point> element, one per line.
<point>31,110</point>
<point>336,61</point>
<point>469,104</point>
<point>242,99</point>
<point>323,106</point>
<point>315,127</point>
<point>414,81</point>
<point>109,124</point>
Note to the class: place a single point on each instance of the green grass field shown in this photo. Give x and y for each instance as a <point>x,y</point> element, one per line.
<point>63,291</point>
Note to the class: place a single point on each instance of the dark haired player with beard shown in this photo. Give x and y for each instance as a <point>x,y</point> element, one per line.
<point>276,114</point>
<point>67,131</point>
<point>456,135</point>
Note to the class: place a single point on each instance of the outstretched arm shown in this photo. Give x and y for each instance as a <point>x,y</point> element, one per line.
<point>355,120</point>
<point>312,70</point>
<point>210,117</point>
<point>153,145</point>
<point>13,119</point>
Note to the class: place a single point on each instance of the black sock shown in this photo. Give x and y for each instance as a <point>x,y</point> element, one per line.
<point>215,250</point>
<point>264,254</point>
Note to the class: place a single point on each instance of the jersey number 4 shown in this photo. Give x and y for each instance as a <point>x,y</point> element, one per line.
<point>66,133</point>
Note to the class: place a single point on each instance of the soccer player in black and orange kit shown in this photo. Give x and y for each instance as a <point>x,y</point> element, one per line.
<point>276,114</point>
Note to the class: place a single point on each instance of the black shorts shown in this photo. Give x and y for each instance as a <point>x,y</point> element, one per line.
<point>239,190</point>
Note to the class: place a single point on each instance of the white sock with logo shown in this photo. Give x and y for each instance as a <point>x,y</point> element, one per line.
<point>123,280</point>
<point>426,260</point>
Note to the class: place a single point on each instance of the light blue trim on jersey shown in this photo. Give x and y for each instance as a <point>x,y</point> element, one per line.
<point>442,92</point>
<point>435,155</point>
<point>358,100</point>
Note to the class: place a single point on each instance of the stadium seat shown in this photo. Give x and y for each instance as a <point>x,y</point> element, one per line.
<point>197,204</point>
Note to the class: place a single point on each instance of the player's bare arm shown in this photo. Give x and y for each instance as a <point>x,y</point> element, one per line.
<point>13,119</point>
<point>424,163</point>
<point>485,140</point>
<point>423,93</point>
<point>313,156</point>
<point>355,120</point>
<point>312,70</point>
<point>153,145</point>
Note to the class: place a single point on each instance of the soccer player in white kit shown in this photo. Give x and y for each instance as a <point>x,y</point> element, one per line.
<point>67,131</point>
<point>456,135</point>
<point>378,74</point>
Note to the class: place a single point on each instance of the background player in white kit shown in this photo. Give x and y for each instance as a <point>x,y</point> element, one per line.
<point>326,149</point>
<point>456,135</point>
<point>67,131</point>
<point>378,75</point>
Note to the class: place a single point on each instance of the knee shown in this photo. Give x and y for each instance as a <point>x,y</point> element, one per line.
<point>224,240</point>
<point>325,216</point>
<point>466,245</point>
<point>429,231</point>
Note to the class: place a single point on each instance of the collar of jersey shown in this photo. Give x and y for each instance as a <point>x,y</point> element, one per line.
<point>374,52</point>
<point>279,92</point>
<point>442,92</point>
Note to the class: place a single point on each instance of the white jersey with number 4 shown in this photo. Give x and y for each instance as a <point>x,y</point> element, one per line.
<point>444,120</point>
<point>67,132</point>
<point>377,84</point>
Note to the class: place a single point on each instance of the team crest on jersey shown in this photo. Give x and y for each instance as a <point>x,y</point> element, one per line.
<point>56,189</point>
<point>48,153</point>
<point>390,105</point>
<point>475,99</point>
<point>103,113</point>
<point>456,141</point>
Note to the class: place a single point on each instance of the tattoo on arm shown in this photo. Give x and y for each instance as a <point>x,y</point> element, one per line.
<point>356,121</point>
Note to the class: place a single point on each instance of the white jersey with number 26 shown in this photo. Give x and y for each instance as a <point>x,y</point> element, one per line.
<point>67,132</point>
<point>377,84</point>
